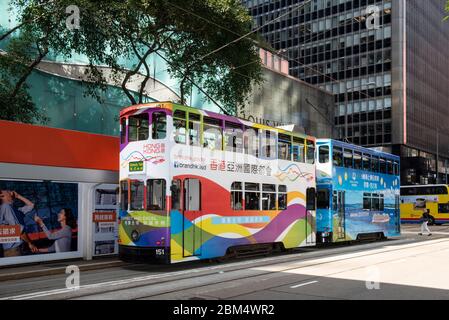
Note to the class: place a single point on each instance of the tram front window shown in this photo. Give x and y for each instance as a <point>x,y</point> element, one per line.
<point>323,199</point>
<point>138,127</point>
<point>159,125</point>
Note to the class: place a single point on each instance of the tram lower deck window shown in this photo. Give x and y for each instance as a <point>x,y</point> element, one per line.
<point>252,196</point>
<point>137,195</point>
<point>156,194</point>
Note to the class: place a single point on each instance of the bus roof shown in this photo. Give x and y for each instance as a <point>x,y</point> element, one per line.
<point>169,106</point>
<point>358,148</point>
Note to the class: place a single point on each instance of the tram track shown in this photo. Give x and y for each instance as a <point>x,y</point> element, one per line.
<point>113,288</point>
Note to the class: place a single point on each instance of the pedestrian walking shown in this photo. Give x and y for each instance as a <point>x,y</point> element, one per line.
<point>425,220</point>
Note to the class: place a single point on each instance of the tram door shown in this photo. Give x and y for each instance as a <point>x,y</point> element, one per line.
<point>340,225</point>
<point>191,238</point>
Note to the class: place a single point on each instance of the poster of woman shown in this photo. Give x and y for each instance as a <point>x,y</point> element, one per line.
<point>37,218</point>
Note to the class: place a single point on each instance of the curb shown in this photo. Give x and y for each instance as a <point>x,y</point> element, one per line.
<point>58,270</point>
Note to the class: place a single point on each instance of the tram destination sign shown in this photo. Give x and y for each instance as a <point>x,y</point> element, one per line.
<point>136,166</point>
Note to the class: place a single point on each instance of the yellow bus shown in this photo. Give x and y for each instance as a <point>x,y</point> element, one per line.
<point>415,199</point>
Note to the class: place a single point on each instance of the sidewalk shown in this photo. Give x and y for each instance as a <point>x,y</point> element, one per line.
<point>56,267</point>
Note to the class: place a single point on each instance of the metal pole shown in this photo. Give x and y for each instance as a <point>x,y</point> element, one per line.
<point>438,155</point>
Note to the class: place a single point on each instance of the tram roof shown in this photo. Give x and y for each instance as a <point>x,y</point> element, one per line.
<point>169,106</point>
<point>358,148</point>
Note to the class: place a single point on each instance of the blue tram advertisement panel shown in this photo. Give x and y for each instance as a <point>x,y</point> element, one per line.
<point>358,192</point>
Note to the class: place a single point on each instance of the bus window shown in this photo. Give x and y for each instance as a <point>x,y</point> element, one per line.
<point>268,144</point>
<point>298,150</point>
<point>375,164</point>
<point>176,194</point>
<point>382,165</point>
<point>194,129</point>
<point>123,130</point>
<point>251,141</point>
<point>310,156</point>
<point>138,127</point>
<point>268,197</point>
<point>137,195</point>
<point>237,196</point>
<point>323,199</point>
<point>357,160</point>
<point>233,137</point>
<point>282,197</point>
<point>156,194</point>
<point>366,162</point>
<point>338,156</point>
<point>347,154</point>
<point>284,147</point>
<point>180,127</point>
<point>443,208</point>
<point>252,196</point>
<point>159,125</point>
<point>323,154</point>
<point>390,167</point>
<point>124,195</point>
<point>212,133</point>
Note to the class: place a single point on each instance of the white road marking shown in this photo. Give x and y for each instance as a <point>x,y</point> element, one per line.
<point>303,284</point>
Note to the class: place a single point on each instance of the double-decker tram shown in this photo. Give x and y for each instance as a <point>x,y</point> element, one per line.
<point>357,193</point>
<point>200,185</point>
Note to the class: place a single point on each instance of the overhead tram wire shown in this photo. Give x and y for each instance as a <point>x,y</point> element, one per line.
<point>261,45</point>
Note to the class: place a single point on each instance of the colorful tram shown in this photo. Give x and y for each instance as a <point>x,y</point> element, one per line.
<point>198,185</point>
<point>358,193</point>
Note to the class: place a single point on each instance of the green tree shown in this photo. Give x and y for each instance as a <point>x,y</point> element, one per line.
<point>112,32</point>
<point>447,10</point>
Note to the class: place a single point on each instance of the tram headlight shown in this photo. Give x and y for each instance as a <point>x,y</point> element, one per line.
<point>135,235</point>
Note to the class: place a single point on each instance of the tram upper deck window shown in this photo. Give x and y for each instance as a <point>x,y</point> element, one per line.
<point>284,147</point>
<point>357,160</point>
<point>138,127</point>
<point>337,156</point>
<point>194,129</point>
<point>382,165</point>
<point>251,141</point>
<point>137,195</point>
<point>375,164</point>
<point>396,168</point>
<point>323,154</point>
<point>268,144</point>
<point>390,168</point>
<point>366,162</point>
<point>124,195</point>
<point>159,125</point>
<point>123,130</point>
<point>212,133</point>
<point>233,137</point>
<point>298,150</point>
<point>156,194</point>
<point>252,196</point>
<point>347,158</point>
<point>180,126</point>
<point>310,156</point>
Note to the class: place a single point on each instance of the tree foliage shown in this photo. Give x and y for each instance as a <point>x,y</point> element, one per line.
<point>112,33</point>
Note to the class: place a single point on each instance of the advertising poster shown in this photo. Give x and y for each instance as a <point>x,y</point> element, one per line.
<point>37,218</point>
<point>105,227</point>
